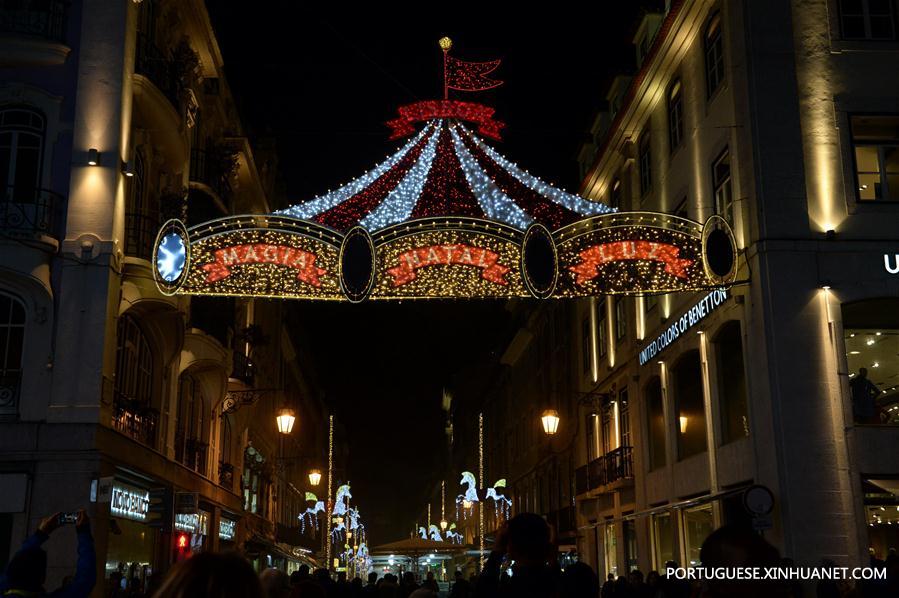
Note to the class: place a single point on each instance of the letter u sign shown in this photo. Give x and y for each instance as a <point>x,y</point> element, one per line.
<point>892,266</point>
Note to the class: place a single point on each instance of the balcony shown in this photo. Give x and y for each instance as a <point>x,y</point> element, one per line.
<point>610,468</point>
<point>243,369</point>
<point>141,229</point>
<point>30,212</point>
<point>150,62</point>
<point>45,19</point>
<point>136,421</point>
<point>32,32</point>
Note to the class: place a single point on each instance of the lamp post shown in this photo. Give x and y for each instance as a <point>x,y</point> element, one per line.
<point>285,420</point>
<point>315,477</point>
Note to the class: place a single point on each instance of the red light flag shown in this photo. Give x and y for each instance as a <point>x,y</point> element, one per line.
<point>462,75</point>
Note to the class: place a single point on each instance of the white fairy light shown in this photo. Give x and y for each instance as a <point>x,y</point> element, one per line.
<point>495,203</point>
<point>572,202</point>
<point>400,202</point>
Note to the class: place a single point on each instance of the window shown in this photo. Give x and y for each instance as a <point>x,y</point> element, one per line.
<point>698,524</point>
<point>601,338</point>
<point>21,150</point>
<point>610,548</point>
<point>253,481</point>
<point>590,427</point>
<point>615,195</point>
<point>630,544</point>
<point>714,55</point>
<point>134,364</point>
<point>871,336</point>
<point>686,376</point>
<point>875,140</point>
<point>724,198</point>
<point>620,319</point>
<point>624,418</point>
<point>662,539</point>
<point>655,412</point>
<point>12,339</point>
<point>645,155</point>
<point>190,428</point>
<point>731,383</point>
<point>867,19</point>
<point>675,117</point>
<point>586,353</point>
<point>606,429</point>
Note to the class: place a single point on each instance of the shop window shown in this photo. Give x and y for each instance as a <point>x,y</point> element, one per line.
<point>731,383</point>
<point>714,55</point>
<point>686,377</point>
<point>662,540</point>
<point>875,142</point>
<point>602,343</point>
<point>698,524</point>
<point>871,335</point>
<point>867,19</point>
<point>620,319</point>
<point>12,339</point>
<point>586,352</point>
<point>721,182</point>
<point>881,501</point>
<point>21,149</point>
<point>610,548</point>
<point>624,418</point>
<point>675,116</point>
<point>655,413</point>
<point>630,545</point>
<point>645,160</point>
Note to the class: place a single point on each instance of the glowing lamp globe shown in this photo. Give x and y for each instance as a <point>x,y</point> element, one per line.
<point>444,524</point>
<point>285,419</point>
<point>550,419</point>
<point>445,43</point>
<point>315,477</point>
<point>467,503</point>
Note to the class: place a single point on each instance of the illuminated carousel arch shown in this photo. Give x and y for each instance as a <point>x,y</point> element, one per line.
<point>446,216</point>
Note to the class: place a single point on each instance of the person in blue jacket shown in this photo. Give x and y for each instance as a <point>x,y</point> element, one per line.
<point>27,570</point>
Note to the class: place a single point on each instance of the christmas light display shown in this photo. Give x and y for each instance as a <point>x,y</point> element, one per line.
<point>445,216</point>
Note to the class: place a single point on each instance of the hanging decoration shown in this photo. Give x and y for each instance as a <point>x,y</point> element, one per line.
<point>445,216</point>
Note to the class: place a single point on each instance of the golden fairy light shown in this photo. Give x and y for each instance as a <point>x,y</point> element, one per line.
<point>330,486</point>
<point>445,43</point>
<point>481,483</point>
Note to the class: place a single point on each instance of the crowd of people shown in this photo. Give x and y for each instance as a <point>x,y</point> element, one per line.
<point>521,564</point>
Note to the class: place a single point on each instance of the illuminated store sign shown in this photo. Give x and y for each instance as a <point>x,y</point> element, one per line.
<point>891,264</point>
<point>691,318</point>
<point>187,522</point>
<point>130,503</point>
<point>227,529</point>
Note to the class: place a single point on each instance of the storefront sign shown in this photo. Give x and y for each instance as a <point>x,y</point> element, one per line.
<point>691,318</point>
<point>227,528</point>
<point>129,502</point>
<point>187,522</point>
<point>891,263</point>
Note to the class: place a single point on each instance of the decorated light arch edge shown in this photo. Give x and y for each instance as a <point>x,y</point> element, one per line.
<point>278,256</point>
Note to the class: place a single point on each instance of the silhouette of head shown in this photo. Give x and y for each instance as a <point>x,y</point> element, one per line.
<point>579,580</point>
<point>27,570</point>
<point>528,538</point>
<point>211,574</point>
<point>862,372</point>
<point>372,577</point>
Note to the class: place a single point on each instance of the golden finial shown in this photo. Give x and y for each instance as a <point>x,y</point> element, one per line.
<point>445,43</point>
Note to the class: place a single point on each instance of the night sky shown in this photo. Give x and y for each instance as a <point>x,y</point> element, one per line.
<point>323,85</point>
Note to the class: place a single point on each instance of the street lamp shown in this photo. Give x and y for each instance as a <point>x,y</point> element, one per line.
<point>444,524</point>
<point>550,419</point>
<point>315,476</point>
<point>285,418</point>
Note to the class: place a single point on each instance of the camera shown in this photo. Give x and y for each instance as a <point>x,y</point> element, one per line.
<point>67,518</point>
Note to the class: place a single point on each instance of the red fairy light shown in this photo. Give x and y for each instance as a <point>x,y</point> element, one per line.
<point>428,110</point>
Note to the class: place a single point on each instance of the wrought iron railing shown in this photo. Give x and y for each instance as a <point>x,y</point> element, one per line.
<point>150,62</point>
<point>10,383</point>
<point>615,465</point>
<point>30,210</point>
<point>38,18</point>
<point>140,233</point>
<point>136,421</point>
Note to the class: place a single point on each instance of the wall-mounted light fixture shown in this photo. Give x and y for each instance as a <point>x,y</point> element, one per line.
<point>93,156</point>
<point>825,284</point>
<point>128,168</point>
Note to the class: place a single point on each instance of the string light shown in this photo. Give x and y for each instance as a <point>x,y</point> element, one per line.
<point>481,484</point>
<point>330,484</point>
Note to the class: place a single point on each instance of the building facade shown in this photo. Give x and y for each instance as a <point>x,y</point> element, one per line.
<point>156,413</point>
<point>764,113</point>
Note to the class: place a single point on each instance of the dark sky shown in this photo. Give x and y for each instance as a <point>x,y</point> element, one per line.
<point>323,85</point>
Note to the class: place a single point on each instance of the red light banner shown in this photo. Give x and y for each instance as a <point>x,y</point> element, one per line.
<point>447,255</point>
<point>430,109</point>
<point>595,257</point>
<point>263,253</point>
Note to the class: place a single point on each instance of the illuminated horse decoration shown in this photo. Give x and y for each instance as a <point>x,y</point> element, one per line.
<point>470,496</point>
<point>434,532</point>
<point>452,535</point>
<point>342,509</point>
<point>311,513</point>
<point>342,500</point>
